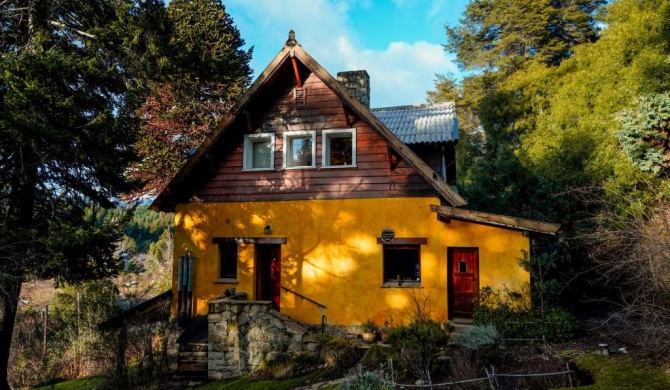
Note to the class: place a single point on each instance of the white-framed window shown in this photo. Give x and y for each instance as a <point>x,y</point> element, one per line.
<point>338,148</point>
<point>259,152</point>
<point>300,149</point>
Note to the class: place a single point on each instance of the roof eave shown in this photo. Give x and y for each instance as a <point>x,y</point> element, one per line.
<point>446,212</point>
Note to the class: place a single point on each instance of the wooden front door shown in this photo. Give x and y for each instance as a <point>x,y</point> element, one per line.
<point>268,273</point>
<point>463,280</point>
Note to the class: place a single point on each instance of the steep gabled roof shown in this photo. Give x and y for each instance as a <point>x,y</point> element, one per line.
<point>424,124</point>
<point>292,50</point>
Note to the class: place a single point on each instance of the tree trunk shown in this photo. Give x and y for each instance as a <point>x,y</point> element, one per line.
<point>9,297</point>
<point>19,220</point>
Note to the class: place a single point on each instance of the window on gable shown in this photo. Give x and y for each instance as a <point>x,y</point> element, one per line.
<point>299,149</point>
<point>339,148</point>
<point>259,151</point>
<point>228,260</point>
<point>402,263</point>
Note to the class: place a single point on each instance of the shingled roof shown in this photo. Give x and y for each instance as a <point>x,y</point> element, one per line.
<point>421,124</point>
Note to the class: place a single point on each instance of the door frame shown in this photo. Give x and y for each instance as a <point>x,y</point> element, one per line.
<point>450,278</point>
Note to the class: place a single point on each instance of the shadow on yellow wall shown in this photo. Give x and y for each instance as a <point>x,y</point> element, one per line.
<point>332,256</point>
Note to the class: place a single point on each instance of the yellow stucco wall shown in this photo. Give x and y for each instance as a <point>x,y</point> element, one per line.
<point>332,255</point>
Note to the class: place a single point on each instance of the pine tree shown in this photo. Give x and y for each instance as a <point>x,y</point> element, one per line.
<point>502,34</point>
<point>207,72</point>
<point>67,103</point>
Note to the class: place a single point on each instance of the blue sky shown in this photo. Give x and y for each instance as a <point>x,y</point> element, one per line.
<point>399,42</point>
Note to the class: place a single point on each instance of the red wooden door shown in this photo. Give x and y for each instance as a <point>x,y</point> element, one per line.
<point>463,280</point>
<point>268,273</point>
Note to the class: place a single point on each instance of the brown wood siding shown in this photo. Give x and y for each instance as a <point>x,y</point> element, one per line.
<point>274,111</point>
<point>432,154</point>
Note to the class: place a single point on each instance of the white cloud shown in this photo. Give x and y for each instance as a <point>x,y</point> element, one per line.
<point>400,74</point>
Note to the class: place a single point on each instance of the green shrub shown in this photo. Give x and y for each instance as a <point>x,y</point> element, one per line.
<point>375,357</point>
<point>416,345</point>
<point>286,366</point>
<point>360,379</point>
<point>555,324</point>
<point>338,355</point>
<point>478,336</point>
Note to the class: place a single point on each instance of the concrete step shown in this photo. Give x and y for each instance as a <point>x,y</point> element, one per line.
<point>459,328</point>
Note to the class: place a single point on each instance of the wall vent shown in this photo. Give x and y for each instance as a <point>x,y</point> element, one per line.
<point>300,97</point>
<point>388,234</point>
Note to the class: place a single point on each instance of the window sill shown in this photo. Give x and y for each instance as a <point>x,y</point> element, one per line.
<point>338,166</point>
<point>226,281</point>
<point>294,168</point>
<point>257,169</point>
<point>403,284</point>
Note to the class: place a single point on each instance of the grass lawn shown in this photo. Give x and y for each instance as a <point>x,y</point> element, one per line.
<point>90,382</point>
<point>621,372</point>
<point>243,383</point>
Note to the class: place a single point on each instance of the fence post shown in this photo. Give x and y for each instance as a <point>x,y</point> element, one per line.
<point>495,378</point>
<point>490,377</point>
<point>567,365</point>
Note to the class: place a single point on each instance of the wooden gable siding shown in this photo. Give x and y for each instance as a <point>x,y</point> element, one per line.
<point>432,154</point>
<point>275,111</point>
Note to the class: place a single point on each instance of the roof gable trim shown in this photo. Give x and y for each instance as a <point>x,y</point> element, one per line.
<point>529,225</point>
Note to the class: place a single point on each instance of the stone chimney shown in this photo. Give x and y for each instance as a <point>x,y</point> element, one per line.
<point>357,82</point>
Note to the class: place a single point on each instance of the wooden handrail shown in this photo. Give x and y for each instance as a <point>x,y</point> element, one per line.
<point>303,297</point>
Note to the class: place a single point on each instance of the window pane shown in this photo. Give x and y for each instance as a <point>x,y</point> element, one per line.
<point>340,150</point>
<point>401,262</point>
<point>228,264</point>
<point>301,152</point>
<point>261,154</point>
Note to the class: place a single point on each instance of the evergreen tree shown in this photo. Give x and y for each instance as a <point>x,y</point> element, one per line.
<point>502,34</point>
<point>67,98</point>
<point>503,40</point>
<point>645,132</point>
<point>206,73</point>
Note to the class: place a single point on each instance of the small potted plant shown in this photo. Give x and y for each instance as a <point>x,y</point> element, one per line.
<point>369,329</point>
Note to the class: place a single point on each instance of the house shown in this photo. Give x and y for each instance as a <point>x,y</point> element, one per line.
<point>306,198</point>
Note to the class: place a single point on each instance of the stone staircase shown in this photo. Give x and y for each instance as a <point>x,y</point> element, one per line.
<point>243,334</point>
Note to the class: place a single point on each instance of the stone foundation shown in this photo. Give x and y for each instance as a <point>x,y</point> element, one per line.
<point>243,334</point>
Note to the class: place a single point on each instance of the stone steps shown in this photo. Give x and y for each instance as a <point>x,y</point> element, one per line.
<point>459,328</point>
<point>293,326</point>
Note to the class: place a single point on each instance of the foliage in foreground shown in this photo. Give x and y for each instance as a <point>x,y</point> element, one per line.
<point>361,379</point>
<point>415,346</point>
<point>245,383</point>
<point>509,313</point>
<point>91,382</point>
<point>629,248</point>
<point>478,336</point>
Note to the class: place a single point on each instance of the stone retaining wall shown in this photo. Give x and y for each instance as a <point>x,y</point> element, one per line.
<point>243,334</point>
